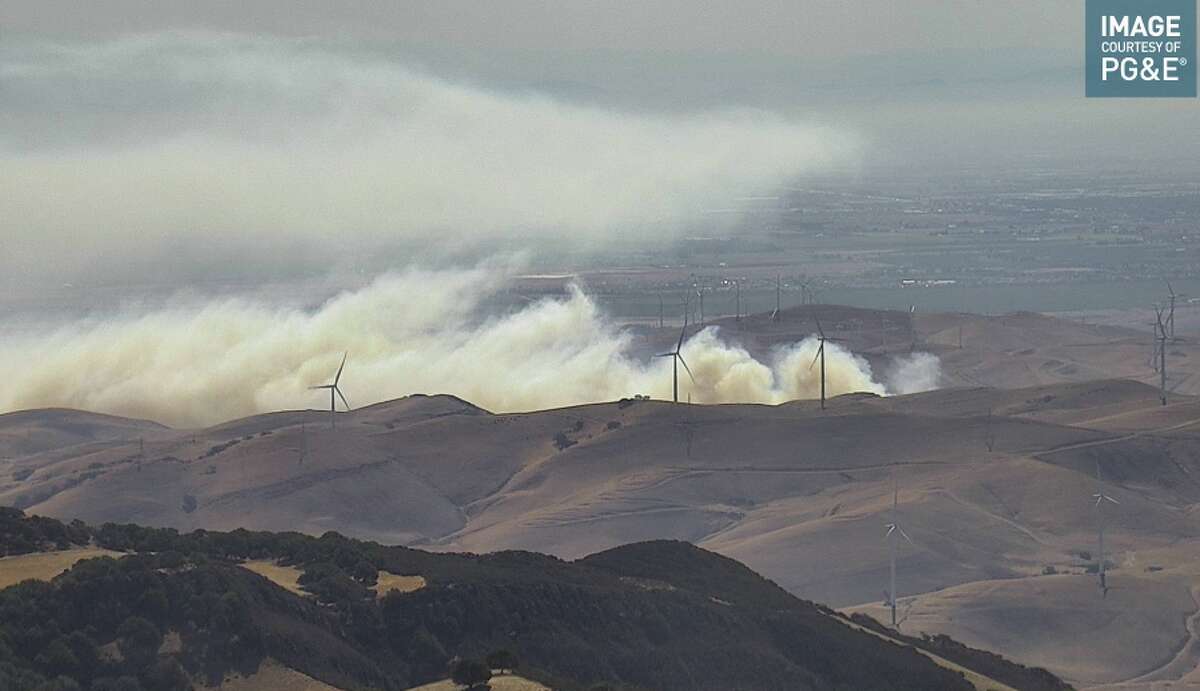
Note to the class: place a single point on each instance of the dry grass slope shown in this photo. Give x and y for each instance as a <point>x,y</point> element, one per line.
<point>389,582</point>
<point>507,682</point>
<point>286,577</point>
<point>980,682</point>
<point>44,566</point>
<point>272,676</point>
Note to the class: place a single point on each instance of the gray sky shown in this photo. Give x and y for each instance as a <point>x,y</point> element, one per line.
<point>826,28</point>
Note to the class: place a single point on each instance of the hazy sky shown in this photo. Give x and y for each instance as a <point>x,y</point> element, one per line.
<point>171,137</point>
<point>780,27</point>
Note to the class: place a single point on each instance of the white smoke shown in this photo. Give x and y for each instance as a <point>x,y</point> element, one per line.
<point>233,150</point>
<point>914,373</point>
<point>412,332</point>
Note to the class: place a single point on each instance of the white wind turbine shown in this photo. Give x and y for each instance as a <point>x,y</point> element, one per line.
<point>1162,354</point>
<point>912,327</point>
<point>894,532</point>
<point>333,389</point>
<point>1171,314</point>
<point>778,297</point>
<point>677,358</point>
<point>821,338</point>
<point>1100,498</point>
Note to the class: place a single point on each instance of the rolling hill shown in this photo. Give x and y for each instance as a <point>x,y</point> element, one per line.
<point>182,609</point>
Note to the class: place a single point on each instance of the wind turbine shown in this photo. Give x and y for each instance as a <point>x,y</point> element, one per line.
<point>333,389</point>
<point>1100,498</point>
<point>778,293</point>
<point>821,356</point>
<point>676,358</point>
<point>1162,355</point>
<point>808,295</point>
<point>893,532</point>
<point>1171,314</point>
<point>912,326</point>
<point>1155,345</point>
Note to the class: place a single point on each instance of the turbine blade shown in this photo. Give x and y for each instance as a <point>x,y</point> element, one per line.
<point>817,356</point>
<point>323,386</point>
<point>338,376</point>
<point>666,354</point>
<point>339,393</point>
<point>1170,289</point>
<point>890,528</point>
<point>819,329</point>
<point>682,333</point>
<point>1111,499</point>
<point>684,363</point>
<point>904,535</point>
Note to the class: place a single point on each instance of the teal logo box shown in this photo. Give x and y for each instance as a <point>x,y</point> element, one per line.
<point>1140,48</point>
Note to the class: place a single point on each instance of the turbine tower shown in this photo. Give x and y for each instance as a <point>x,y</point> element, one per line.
<point>1154,345</point>
<point>894,531</point>
<point>778,294</point>
<point>821,338</point>
<point>303,442</point>
<point>1162,355</point>
<point>1171,314</point>
<point>660,311</point>
<point>912,326</point>
<point>676,358</point>
<point>737,286</point>
<point>1100,498</point>
<point>333,389</point>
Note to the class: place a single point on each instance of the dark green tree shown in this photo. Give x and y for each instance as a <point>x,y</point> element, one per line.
<point>472,674</point>
<point>139,641</point>
<point>503,660</point>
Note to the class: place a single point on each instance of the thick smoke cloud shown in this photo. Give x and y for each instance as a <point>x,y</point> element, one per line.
<point>223,149</point>
<point>412,332</point>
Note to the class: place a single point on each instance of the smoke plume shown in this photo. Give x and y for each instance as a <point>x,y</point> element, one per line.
<point>411,332</point>
<point>914,373</point>
<point>222,151</point>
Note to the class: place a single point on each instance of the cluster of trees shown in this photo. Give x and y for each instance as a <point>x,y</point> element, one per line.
<point>474,675</point>
<point>21,534</point>
<point>100,626</point>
